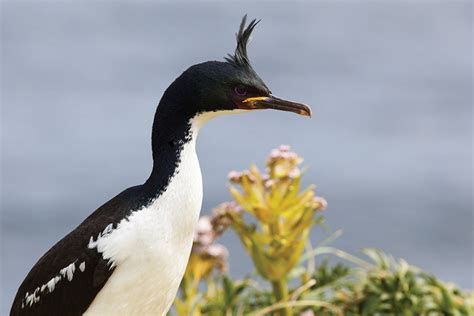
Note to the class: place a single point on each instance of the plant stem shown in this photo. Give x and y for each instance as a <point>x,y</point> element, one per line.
<point>280,291</point>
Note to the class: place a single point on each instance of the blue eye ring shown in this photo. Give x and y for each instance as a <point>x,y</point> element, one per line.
<point>240,90</point>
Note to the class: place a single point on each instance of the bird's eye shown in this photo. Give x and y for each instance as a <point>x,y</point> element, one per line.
<point>240,91</point>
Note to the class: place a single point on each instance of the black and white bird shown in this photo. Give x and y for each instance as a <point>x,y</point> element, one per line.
<point>128,257</point>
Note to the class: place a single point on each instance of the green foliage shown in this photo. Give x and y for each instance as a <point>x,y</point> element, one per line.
<point>389,287</point>
<point>329,275</point>
<point>291,279</point>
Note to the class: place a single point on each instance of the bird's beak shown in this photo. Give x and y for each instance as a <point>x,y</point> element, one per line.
<point>272,102</point>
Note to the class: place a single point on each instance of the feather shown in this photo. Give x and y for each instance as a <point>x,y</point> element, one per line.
<point>240,57</point>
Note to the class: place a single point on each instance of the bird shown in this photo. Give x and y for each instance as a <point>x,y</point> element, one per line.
<point>129,256</point>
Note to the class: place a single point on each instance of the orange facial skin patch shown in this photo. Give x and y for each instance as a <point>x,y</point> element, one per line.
<point>249,103</point>
<point>251,100</point>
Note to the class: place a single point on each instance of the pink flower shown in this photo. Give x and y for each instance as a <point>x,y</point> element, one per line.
<point>204,233</point>
<point>294,173</point>
<point>234,176</point>
<point>319,203</point>
<point>284,148</point>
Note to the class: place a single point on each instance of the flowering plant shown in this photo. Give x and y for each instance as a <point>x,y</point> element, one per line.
<point>273,219</point>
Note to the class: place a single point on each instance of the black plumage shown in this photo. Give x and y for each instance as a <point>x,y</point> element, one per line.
<point>240,57</point>
<point>207,87</point>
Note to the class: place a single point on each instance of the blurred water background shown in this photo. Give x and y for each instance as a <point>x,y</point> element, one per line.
<point>389,145</point>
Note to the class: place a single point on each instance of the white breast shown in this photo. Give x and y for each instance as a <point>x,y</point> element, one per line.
<point>151,248</point>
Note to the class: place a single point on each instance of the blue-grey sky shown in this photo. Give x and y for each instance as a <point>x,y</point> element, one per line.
<point>389,144</point>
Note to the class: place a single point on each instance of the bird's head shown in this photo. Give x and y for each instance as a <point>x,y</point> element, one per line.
<point>213,87</point>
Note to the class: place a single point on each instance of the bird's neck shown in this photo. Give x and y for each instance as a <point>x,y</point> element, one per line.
<point>171,133</point>
<point>175,126</point>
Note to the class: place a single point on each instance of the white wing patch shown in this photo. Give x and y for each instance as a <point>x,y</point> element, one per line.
<point>48,287</point>
<point>99,243</point>
<point>32,298</point>
<point>68,271</point>
<point>107,230</point>
<point>82,266</point>
<point>51,284</point>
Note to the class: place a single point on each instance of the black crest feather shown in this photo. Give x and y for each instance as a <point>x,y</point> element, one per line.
<point>240,57</point>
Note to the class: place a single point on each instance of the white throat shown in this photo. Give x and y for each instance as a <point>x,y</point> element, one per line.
<point>201,119</point>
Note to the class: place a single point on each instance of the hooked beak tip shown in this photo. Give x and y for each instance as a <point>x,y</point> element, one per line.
<point>307,113</point>
<point>304,110</point>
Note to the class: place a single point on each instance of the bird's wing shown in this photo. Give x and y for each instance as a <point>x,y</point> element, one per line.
<point>66,279</point>
<point>62,282</point>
